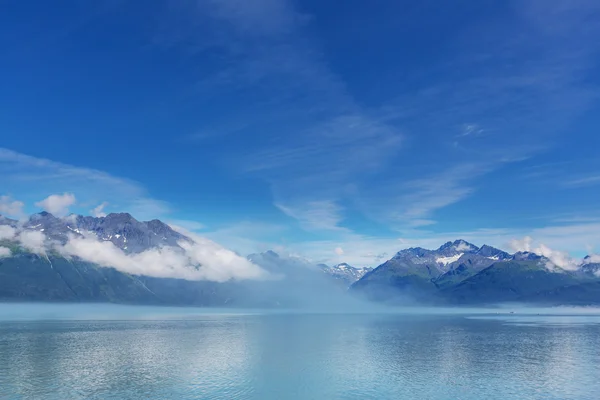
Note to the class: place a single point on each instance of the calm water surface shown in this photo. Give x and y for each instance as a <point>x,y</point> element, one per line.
<point>87,352</point>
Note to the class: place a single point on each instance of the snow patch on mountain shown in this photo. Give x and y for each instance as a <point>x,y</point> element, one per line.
<point>448,260</point>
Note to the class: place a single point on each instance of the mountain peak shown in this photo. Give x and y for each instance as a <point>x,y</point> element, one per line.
<point>270,253</point>
<point>525,256</point>
<point>42,215</point>
<point>124,217</point>
<point>489,251</point>
<point>157,225</point>
<point>412,251</point>
<point>591,259</point>
<point>345,272</point>
<point>459,245</point>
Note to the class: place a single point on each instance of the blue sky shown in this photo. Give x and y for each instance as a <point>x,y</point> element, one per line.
<point>339,132</point>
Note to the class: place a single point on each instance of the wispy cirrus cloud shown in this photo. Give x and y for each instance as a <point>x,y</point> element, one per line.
<point>413,203</point>
<point>317,142</point>
<point>505,88</point>
<point>583,181</point>
<point>564,175</point>
<point>471,129</point>
<point>315,137</point>
<point>35,178</point>
<point>187,224</point>
<point>322,215</point>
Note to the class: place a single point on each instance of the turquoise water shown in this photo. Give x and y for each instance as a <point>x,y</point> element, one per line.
<point>100,352</point>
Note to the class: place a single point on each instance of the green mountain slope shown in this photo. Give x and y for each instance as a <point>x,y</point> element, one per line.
<point>507,281</point>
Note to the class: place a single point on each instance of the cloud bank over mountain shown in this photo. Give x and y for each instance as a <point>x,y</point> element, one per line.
<point>190,259</point>
<point>193,261</point>
<point>559,258</point>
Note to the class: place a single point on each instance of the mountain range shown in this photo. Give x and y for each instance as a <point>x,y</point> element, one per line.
<point>117,258</point>
<point>461,273</point>
<point>47,258</point>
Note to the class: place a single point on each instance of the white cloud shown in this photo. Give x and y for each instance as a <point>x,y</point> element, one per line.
<point>71,218</point>
<point>462,247</point>
<point>559,258</point>
<point>339,251</point>
<point>521,244</point>
<point>315,215</point>
<point>98,211</point>
<point>34,241</point>
<point>57,204</point>
<point>201,260</point>
<point>7,232</point>
<point>11,207</point>
<point>4,252</point>
<point>219,263</point>
<point>594,258</point>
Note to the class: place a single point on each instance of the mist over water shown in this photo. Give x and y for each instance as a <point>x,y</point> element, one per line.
<point>123,352</point>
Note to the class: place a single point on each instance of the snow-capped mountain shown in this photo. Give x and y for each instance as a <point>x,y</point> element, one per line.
<point>345,272</point>
<point>121,229</point>
<point>450,249</point>
<point>492,253</point>
<point>53,228</point>
<point>127,233</point>
<point>591,266</point>
<point>462,272</point>
<point>448,256</point>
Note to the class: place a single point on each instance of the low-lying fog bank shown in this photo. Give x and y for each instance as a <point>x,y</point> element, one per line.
<point>49,311</point>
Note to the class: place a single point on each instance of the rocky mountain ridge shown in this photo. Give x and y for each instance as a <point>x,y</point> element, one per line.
<point>456,272</point>
<point>460,272</point>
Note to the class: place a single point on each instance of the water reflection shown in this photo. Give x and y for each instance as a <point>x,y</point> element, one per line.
<point>124,359</point>
<point>299,357</point>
